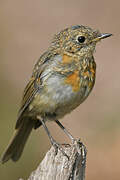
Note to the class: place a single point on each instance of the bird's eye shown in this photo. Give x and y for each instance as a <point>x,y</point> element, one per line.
<point>81,39</point>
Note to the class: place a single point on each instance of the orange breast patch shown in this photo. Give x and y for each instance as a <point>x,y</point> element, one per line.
<point>90,73</point>
<point>66,59</point>
<point>74,80</point>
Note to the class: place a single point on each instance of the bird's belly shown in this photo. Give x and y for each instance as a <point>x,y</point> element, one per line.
<point>59,98</point>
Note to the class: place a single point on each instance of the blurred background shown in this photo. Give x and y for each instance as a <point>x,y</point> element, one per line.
<point>26,29</point>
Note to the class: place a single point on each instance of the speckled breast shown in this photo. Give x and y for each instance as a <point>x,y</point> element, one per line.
<point>64,91</point>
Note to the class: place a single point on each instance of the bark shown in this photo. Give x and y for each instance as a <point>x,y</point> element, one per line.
<point>56,166</point>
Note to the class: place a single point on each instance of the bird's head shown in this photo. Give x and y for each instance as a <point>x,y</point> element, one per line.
<point>78,39</point>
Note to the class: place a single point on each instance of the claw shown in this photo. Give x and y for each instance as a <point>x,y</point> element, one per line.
<point>75,141</point>
<point>58,146</point>
<point>81,149</point>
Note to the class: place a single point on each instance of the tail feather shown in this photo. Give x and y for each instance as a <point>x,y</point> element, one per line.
<point>16,145</point>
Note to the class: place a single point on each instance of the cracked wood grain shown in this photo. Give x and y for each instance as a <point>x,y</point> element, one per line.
<point>56,166</point>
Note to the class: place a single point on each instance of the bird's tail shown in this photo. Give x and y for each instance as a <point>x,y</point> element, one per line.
<point>16,145</point>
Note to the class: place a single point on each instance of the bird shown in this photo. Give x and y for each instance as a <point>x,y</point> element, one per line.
<point>62,79</point>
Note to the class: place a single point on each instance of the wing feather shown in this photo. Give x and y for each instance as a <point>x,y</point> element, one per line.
<point>33,86</point>
<point>28,96</point>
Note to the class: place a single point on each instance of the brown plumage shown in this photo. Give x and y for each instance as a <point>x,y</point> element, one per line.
<point>62,79</point>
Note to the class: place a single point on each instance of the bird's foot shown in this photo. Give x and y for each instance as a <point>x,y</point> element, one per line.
<point>58,146</point>
<point>80,147</point>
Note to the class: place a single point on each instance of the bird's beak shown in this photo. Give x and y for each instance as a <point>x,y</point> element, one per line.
<point>101,36</point>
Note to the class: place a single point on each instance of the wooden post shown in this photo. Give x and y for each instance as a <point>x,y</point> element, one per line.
<point>56,166</point>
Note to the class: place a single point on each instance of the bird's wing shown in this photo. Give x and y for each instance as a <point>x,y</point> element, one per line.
<point>32,87</point>
<point>28,96</point>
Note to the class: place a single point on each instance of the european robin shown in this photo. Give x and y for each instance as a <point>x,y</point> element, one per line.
<point>62,79</point>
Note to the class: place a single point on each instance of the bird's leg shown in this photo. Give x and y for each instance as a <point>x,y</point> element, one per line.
<point>74,141</point>
<point>53,142</point>
<point>66,131</point>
